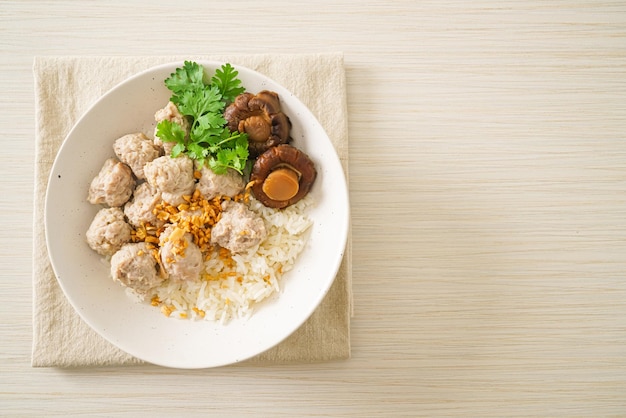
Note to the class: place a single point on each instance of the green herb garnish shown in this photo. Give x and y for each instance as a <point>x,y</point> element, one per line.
<point>209,141</point>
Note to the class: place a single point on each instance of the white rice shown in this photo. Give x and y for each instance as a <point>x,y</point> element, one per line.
<point>232,292</point>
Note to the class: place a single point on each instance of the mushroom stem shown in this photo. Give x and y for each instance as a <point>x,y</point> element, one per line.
<point>281,184</point>
<point>257,128</point>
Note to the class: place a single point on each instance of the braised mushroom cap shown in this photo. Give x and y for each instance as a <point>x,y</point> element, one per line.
<point>274,160</point>
<point>261,117</point>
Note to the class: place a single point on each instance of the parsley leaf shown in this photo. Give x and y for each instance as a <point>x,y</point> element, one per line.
<point>209,141</point>
<point>234,156</point>
<point>227,82</point>
<point>171,132</point>
<point>190,74</point>
<point>178,149</point>
<point>199,100</point>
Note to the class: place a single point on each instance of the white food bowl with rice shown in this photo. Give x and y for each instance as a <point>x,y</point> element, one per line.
<point>162,258</point>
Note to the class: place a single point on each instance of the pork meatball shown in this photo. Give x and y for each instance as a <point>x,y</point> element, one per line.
<point>140,209</point>
<point>239,228</point>
<point>212,185</point>
<point>134,267</point>
<point>181,258</point>
<point>108,231</point>
<point>172,177</point>
<point>169,112</point>
<point>113,185</point>
<point>136,150</point>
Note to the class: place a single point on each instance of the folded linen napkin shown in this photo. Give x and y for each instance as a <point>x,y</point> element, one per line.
<point>65,87</point>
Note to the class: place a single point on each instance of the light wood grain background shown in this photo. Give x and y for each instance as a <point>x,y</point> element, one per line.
<point>487,178</point>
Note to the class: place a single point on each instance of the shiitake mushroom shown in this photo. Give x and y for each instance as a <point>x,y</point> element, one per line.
<point>260,116</point>
<point>281,176</point>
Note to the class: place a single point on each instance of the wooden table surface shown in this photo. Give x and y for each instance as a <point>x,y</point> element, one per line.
<point>488,191</point>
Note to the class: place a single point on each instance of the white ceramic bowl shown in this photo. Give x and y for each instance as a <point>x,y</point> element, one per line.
<point>139,329</point>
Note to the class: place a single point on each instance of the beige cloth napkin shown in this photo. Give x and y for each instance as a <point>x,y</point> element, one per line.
<point>65,87</point>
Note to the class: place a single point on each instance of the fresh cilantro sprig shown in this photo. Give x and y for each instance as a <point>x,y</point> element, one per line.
<point>209,140</point>
<point>227,82</point>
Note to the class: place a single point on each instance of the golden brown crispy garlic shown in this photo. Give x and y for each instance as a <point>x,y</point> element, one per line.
<point>261,117</point>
